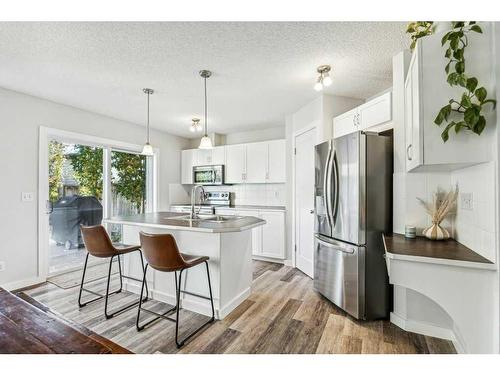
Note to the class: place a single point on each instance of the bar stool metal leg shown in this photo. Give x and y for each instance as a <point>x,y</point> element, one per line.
<point>140,308</point>
<point>212,318</point>
<point>108,293</point>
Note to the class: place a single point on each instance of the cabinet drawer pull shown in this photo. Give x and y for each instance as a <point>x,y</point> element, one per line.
<point>408,152</point>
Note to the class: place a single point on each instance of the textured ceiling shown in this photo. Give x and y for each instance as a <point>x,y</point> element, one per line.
<point>261,71</point>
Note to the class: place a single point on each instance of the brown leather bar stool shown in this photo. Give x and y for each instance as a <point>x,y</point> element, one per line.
<point>163,255</point>
<point>98,244</point>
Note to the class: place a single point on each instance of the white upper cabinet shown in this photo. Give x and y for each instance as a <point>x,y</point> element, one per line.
<point>346,123</point>
<point>257,162</point>
<point>187,162</point>
<point>203,157</point>
<point>276,170</point>
<point>218,155</point>
<point>427,91</point>
<point>236,164</point>
<point>373,113</point>
<point>376,112</point>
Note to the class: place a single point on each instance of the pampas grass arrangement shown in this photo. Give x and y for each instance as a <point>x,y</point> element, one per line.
<point>443,204</point>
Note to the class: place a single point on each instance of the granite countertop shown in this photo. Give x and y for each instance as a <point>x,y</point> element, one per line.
<point>236,207</point>
<point>170,220</point>
<point>398,246</point>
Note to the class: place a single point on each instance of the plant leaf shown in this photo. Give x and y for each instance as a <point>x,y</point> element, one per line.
<point>445,134</point>
<point>471,116</point>
<point>452,78</point>
<point>480,125</point>
<point>477,29</point>
<point>443,114</point>
<point>472,84</point>
<point>465,102</point>
<point>481,94</point>
<point>445,37</point>
<point>460,67</point>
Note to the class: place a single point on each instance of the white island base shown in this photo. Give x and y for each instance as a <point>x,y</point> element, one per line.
<point>230,267</point>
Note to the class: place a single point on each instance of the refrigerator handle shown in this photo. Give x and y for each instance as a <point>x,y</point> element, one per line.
<point>333,246</point>
<point>336,184</point>
<point>327,188</point>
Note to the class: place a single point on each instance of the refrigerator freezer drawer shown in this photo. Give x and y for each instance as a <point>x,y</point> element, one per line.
<point>339,274</point>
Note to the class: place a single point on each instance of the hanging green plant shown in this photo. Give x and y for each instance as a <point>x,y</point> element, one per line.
<point>419,29</point>
<point>465,112</point>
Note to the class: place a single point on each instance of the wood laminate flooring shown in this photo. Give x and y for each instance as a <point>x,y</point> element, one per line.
<point>282,315</point>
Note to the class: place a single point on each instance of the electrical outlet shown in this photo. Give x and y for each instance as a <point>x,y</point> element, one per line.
<point>2,266</point>
<point>27,197</point>
<point>466,201</point>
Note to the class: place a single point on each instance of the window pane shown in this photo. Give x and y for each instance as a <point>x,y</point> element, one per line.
<point>128,187</point>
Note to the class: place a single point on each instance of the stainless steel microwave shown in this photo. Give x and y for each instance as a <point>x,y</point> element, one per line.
<point>208,175</point>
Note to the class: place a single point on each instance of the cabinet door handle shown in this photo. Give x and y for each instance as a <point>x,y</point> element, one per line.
<point>408,152</point>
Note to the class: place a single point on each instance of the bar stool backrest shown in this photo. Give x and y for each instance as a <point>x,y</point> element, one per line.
<point>97,241</point>
<point>161,252</point>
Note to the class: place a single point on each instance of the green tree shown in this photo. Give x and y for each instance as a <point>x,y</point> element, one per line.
<point>129,177</point>
<point>56,161</point>
<point>87,166</point>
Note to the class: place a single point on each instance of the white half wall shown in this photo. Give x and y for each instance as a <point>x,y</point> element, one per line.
<point>20,118</point>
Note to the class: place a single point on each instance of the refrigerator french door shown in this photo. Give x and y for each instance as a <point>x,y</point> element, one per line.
<point>353,195</point>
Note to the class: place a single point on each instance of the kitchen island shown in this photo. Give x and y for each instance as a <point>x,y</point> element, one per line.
<point>227,240</point>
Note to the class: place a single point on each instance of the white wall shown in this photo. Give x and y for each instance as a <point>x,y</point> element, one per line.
<point>476,228</point>
<point>320,112</point>
<point>20,118</point>
<point>259,135</point>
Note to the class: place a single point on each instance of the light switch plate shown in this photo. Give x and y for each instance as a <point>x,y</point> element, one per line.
<point>27,197</point>
<point>467,202</point>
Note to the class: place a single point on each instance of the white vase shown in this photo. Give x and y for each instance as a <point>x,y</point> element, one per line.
<point>436,232</point>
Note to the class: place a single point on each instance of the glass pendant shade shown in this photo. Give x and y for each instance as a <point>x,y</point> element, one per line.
<point>327,80</point>
<point>147,150</point>
<point>205,143</point>
<point>318,86</point>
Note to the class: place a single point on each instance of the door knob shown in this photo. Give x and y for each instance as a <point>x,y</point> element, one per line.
<point>311,212</point>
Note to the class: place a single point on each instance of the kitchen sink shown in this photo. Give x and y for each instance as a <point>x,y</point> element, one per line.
<point>209,218</point>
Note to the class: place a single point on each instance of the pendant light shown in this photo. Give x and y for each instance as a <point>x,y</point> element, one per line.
<point>206,142</point>
<point>147,150</point>
<point>195,125</point>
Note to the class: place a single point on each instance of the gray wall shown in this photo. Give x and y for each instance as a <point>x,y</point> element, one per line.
<point>20,118</point>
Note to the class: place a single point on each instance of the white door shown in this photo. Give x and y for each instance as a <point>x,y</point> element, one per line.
<point>345,124</point>
<point>304,201</point>
<point>256,162</point>
<point>235,164</point>
<point>203,157</point>
<point>276,163</point>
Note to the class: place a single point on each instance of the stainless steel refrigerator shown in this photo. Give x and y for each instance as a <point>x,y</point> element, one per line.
<point>353,207</point>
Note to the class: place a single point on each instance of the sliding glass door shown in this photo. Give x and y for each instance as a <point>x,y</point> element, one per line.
<point>129,187</point>
<point>86,183</point>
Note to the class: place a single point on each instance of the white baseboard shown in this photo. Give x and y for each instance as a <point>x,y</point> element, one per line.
<point>267,259</point>
<point>225,310</point>
<point>427,329</point>
<point>288,262</point>
<point>18,284</point>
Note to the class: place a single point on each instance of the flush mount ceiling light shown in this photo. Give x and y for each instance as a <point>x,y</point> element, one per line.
<point>195,126</point>
<point>324,78</point>
<point>206,142</point>
<point>147,149</point>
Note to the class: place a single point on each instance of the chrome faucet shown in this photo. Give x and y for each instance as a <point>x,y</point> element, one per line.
<point>193,199</point>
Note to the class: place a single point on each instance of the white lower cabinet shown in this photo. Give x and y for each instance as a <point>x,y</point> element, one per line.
<point>268,240</point>
<point>273,234</point>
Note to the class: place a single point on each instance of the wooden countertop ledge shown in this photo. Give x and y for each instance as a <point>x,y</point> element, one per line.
<point>452,250</point>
